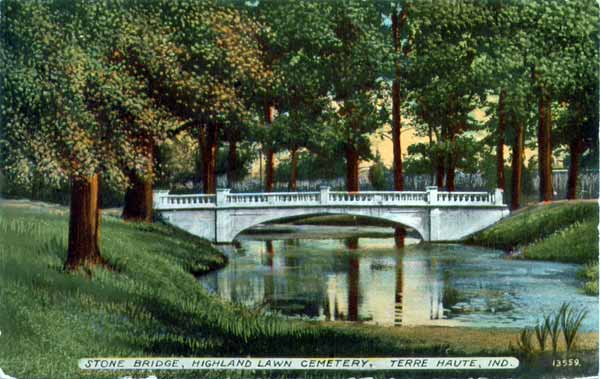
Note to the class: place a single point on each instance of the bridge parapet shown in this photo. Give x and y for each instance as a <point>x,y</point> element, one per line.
<point>431,197</point>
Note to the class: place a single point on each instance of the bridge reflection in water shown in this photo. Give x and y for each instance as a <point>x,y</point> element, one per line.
<point>344,286</point>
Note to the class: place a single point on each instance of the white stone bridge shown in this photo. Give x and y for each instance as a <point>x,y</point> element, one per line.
<point>435,215</point>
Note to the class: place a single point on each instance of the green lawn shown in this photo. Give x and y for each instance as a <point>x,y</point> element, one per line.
<point>562,231</point>
<point>149,304</point>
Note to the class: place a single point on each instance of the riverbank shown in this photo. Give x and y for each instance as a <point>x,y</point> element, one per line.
<point>149,303</point>
<point>564,231</point>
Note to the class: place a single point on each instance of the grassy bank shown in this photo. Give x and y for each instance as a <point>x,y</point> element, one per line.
<point>561,232</point>
<point>149,304</point>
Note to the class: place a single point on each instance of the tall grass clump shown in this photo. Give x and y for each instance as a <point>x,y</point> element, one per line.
<point>566,320</point>
<point>570,322</point>
<point>589,274</point>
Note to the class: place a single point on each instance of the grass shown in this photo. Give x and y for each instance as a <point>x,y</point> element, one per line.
<point>589,274</point>
<point>150,304</point>
<point>575,243</point>
<point>536,223</point>
<point>561,232</point>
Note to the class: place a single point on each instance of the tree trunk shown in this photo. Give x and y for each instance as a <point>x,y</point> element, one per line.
<point>451,161</point>
<point>545,147</point>
<point>439,173</point>
<point>270,170</point>
<point>209,159</point>
<point>352,181</point>
<point>517,165</point>
<point>450,187</point>
<point>294,170</point>
<point>269,156</point>
<point>138,196</point>
<point>575,150</point>
<point>232,162</point>
<point>396,101</point>
<point>84,223</point>
<point>500,145</point>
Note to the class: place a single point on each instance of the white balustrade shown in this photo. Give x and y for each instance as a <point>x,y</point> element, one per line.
<point>223,198</point>
<point>164,200</point>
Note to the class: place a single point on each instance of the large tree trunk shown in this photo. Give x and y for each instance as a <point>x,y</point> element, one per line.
<point>138,196</point>
<point>500,146</point>
<point>396,101</point>
<point>545,147</point>
<point>84,223</point>
<point>269,154</point>
<point>293,186</point>
<point>575,150</point>
<point>209,159</point>
<point>232,162</point>
<point>517,165</point>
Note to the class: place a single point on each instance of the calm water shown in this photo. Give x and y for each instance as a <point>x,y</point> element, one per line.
<point>369,280</point>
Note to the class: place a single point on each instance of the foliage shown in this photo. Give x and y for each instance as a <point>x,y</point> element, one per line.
<point>312,167</point>
<point>377,175</point>
<point>68,108</point>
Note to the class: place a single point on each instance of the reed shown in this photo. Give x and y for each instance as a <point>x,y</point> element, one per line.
<point>570,322</point>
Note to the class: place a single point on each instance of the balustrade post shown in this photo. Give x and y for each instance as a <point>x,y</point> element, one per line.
<point>324,195</point>
<point>158,198</point>
<point>498,198</point>
<point>222,196</point>
<point>432,192</point>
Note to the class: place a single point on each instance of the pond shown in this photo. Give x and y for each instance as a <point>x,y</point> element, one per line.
<point>334,274</point>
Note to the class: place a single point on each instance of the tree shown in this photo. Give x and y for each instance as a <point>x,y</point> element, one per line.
<point>222,67</point>
<point>69,111</point>
<point>443,84</point>
<point>356,64</point>
<point>298,58</point>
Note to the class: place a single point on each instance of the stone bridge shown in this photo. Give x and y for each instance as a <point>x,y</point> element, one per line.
<point>435,215</point>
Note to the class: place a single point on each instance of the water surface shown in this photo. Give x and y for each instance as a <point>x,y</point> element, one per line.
<point>369,280</point>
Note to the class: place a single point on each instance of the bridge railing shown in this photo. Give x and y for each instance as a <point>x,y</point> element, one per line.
<point>431,197</point>
<point>165,200</point>
<point>285,198</point>
<point>379,197</point>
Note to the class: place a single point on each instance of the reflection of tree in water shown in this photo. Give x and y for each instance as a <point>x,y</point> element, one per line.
<point>399,236</point>
<point>398,289</point>
<point>351,243</point>
<point>353,288</point>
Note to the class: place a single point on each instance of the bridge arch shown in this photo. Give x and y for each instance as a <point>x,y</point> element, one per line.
<point>416,219</point>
